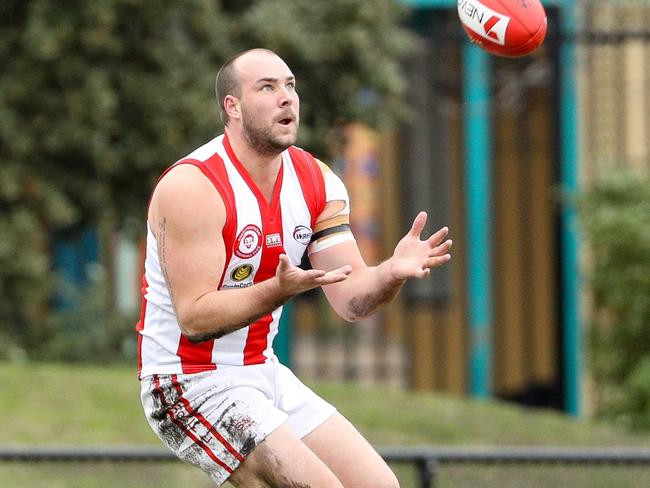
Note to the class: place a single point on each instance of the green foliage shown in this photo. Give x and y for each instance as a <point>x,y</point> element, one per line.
<point>91,331</point>
<point>345,55</point>
<point>616,217</point>
<point>97,98</point>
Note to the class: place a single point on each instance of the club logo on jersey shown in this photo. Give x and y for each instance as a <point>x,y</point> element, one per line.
<point>273,240</point>
<point>241,272</point>
<point>302,234</point>
<point>248,242</point>
<point>483,20</point>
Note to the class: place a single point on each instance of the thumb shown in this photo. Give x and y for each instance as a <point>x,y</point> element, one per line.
<point>283,263</point>
<point>418,224</point>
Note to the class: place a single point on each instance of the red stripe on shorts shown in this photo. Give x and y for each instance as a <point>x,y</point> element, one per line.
<point>204,421</point>
<point>157,390</point>
<point>200,443</point>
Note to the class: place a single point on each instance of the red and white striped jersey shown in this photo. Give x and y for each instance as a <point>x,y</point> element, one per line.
<point>255,233</point>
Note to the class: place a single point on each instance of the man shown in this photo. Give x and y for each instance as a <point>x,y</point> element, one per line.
<point>227,227</point>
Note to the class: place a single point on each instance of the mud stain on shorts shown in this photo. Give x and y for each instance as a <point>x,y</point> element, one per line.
<point>241,427</point>
<point>172,434</point>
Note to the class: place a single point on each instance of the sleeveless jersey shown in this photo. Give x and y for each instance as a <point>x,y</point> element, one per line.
<point>255,233</point>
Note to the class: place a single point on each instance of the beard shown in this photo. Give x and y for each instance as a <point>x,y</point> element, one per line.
<point>261,137</point>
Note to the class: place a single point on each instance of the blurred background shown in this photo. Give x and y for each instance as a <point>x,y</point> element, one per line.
<point>539,166</point>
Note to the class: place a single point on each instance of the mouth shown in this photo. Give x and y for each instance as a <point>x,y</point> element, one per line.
<point>286,119</point>
<point>286,122</point>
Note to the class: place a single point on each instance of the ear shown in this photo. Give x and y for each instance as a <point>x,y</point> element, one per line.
<point>232,107</point>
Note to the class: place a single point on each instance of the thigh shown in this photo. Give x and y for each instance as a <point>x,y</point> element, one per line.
<point>350,457</point>
<point>305,409</point>
<point>208,423</point>
<point>283,460</point>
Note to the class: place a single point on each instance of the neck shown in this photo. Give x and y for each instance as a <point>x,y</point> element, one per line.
<point>261,167</point>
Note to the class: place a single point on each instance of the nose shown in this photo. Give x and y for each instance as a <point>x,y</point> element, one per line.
<point>286,97</point>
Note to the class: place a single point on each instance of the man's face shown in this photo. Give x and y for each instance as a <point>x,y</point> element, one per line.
<point>269,103</point>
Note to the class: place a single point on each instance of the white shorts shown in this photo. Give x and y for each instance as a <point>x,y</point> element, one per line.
<point>214,419</point>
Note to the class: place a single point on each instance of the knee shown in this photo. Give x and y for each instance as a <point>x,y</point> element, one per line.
<point>387,479</point>
<point>391,481</point>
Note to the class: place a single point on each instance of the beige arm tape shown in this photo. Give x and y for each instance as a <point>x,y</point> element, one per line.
<point>336,213</point>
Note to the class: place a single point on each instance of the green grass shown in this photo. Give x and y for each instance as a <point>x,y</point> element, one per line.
<point>45,404</point>
<point>72,404</point>
<point>397,417</point>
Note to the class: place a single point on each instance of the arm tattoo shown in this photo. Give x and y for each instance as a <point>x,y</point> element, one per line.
<point>162,257</point>
<point>207,336</point>
<point>363,305</point>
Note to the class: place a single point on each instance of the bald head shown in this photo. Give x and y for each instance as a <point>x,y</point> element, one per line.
<point>228,81</point>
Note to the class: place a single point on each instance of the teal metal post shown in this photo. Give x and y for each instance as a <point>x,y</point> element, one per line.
<point>72,256</point>
<point>282,342</point>
<point>571,328</point>
<point>478,188</point>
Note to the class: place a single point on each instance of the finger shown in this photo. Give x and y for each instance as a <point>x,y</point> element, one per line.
<point>418,224</point>
<point>423,273</point>
<point>284,261</point>
<point>346,270</point>
<point>283,264</point>
<point>314,274</point>
<point>335,276</point>
<point>331,279</point>
<point>441,249</point>
<point>435,261</point>
<point>437,238</point>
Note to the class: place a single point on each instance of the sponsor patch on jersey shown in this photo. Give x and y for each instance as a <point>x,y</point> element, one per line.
<point>248,242</point>
<point>302,234</point>
<point>241,284</point>
<point>273,240</point>
<point>241,272</point>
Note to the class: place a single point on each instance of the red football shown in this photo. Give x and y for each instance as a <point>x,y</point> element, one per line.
<point>504,27</point>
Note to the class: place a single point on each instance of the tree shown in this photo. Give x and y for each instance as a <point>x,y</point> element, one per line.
<point>616,220</point>
<point>97,98</point>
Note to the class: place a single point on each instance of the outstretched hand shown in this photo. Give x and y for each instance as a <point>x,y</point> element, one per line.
<point>414,258</point>
<point>294,280</point>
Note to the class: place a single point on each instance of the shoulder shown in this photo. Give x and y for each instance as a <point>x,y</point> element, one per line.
<point>183,192</point>
<point>182,179</point>
<point>325,169</point>
<point>299,155</point>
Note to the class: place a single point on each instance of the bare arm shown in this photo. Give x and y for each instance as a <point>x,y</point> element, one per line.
<point>369,287</point>
<point>187,217</point>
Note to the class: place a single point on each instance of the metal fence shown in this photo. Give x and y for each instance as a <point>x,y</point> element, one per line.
<point>425,343</point>
<point>430,463</point>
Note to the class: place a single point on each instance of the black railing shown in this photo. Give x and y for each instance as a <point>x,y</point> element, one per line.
<point>425,459</point>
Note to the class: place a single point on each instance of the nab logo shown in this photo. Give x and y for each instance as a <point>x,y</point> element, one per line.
<point>489,25</point>
<point>484,21</point>
<point>241,272</point>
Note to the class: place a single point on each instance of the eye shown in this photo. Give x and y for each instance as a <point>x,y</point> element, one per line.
<point>291,85</point>
<point>267,87</point>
